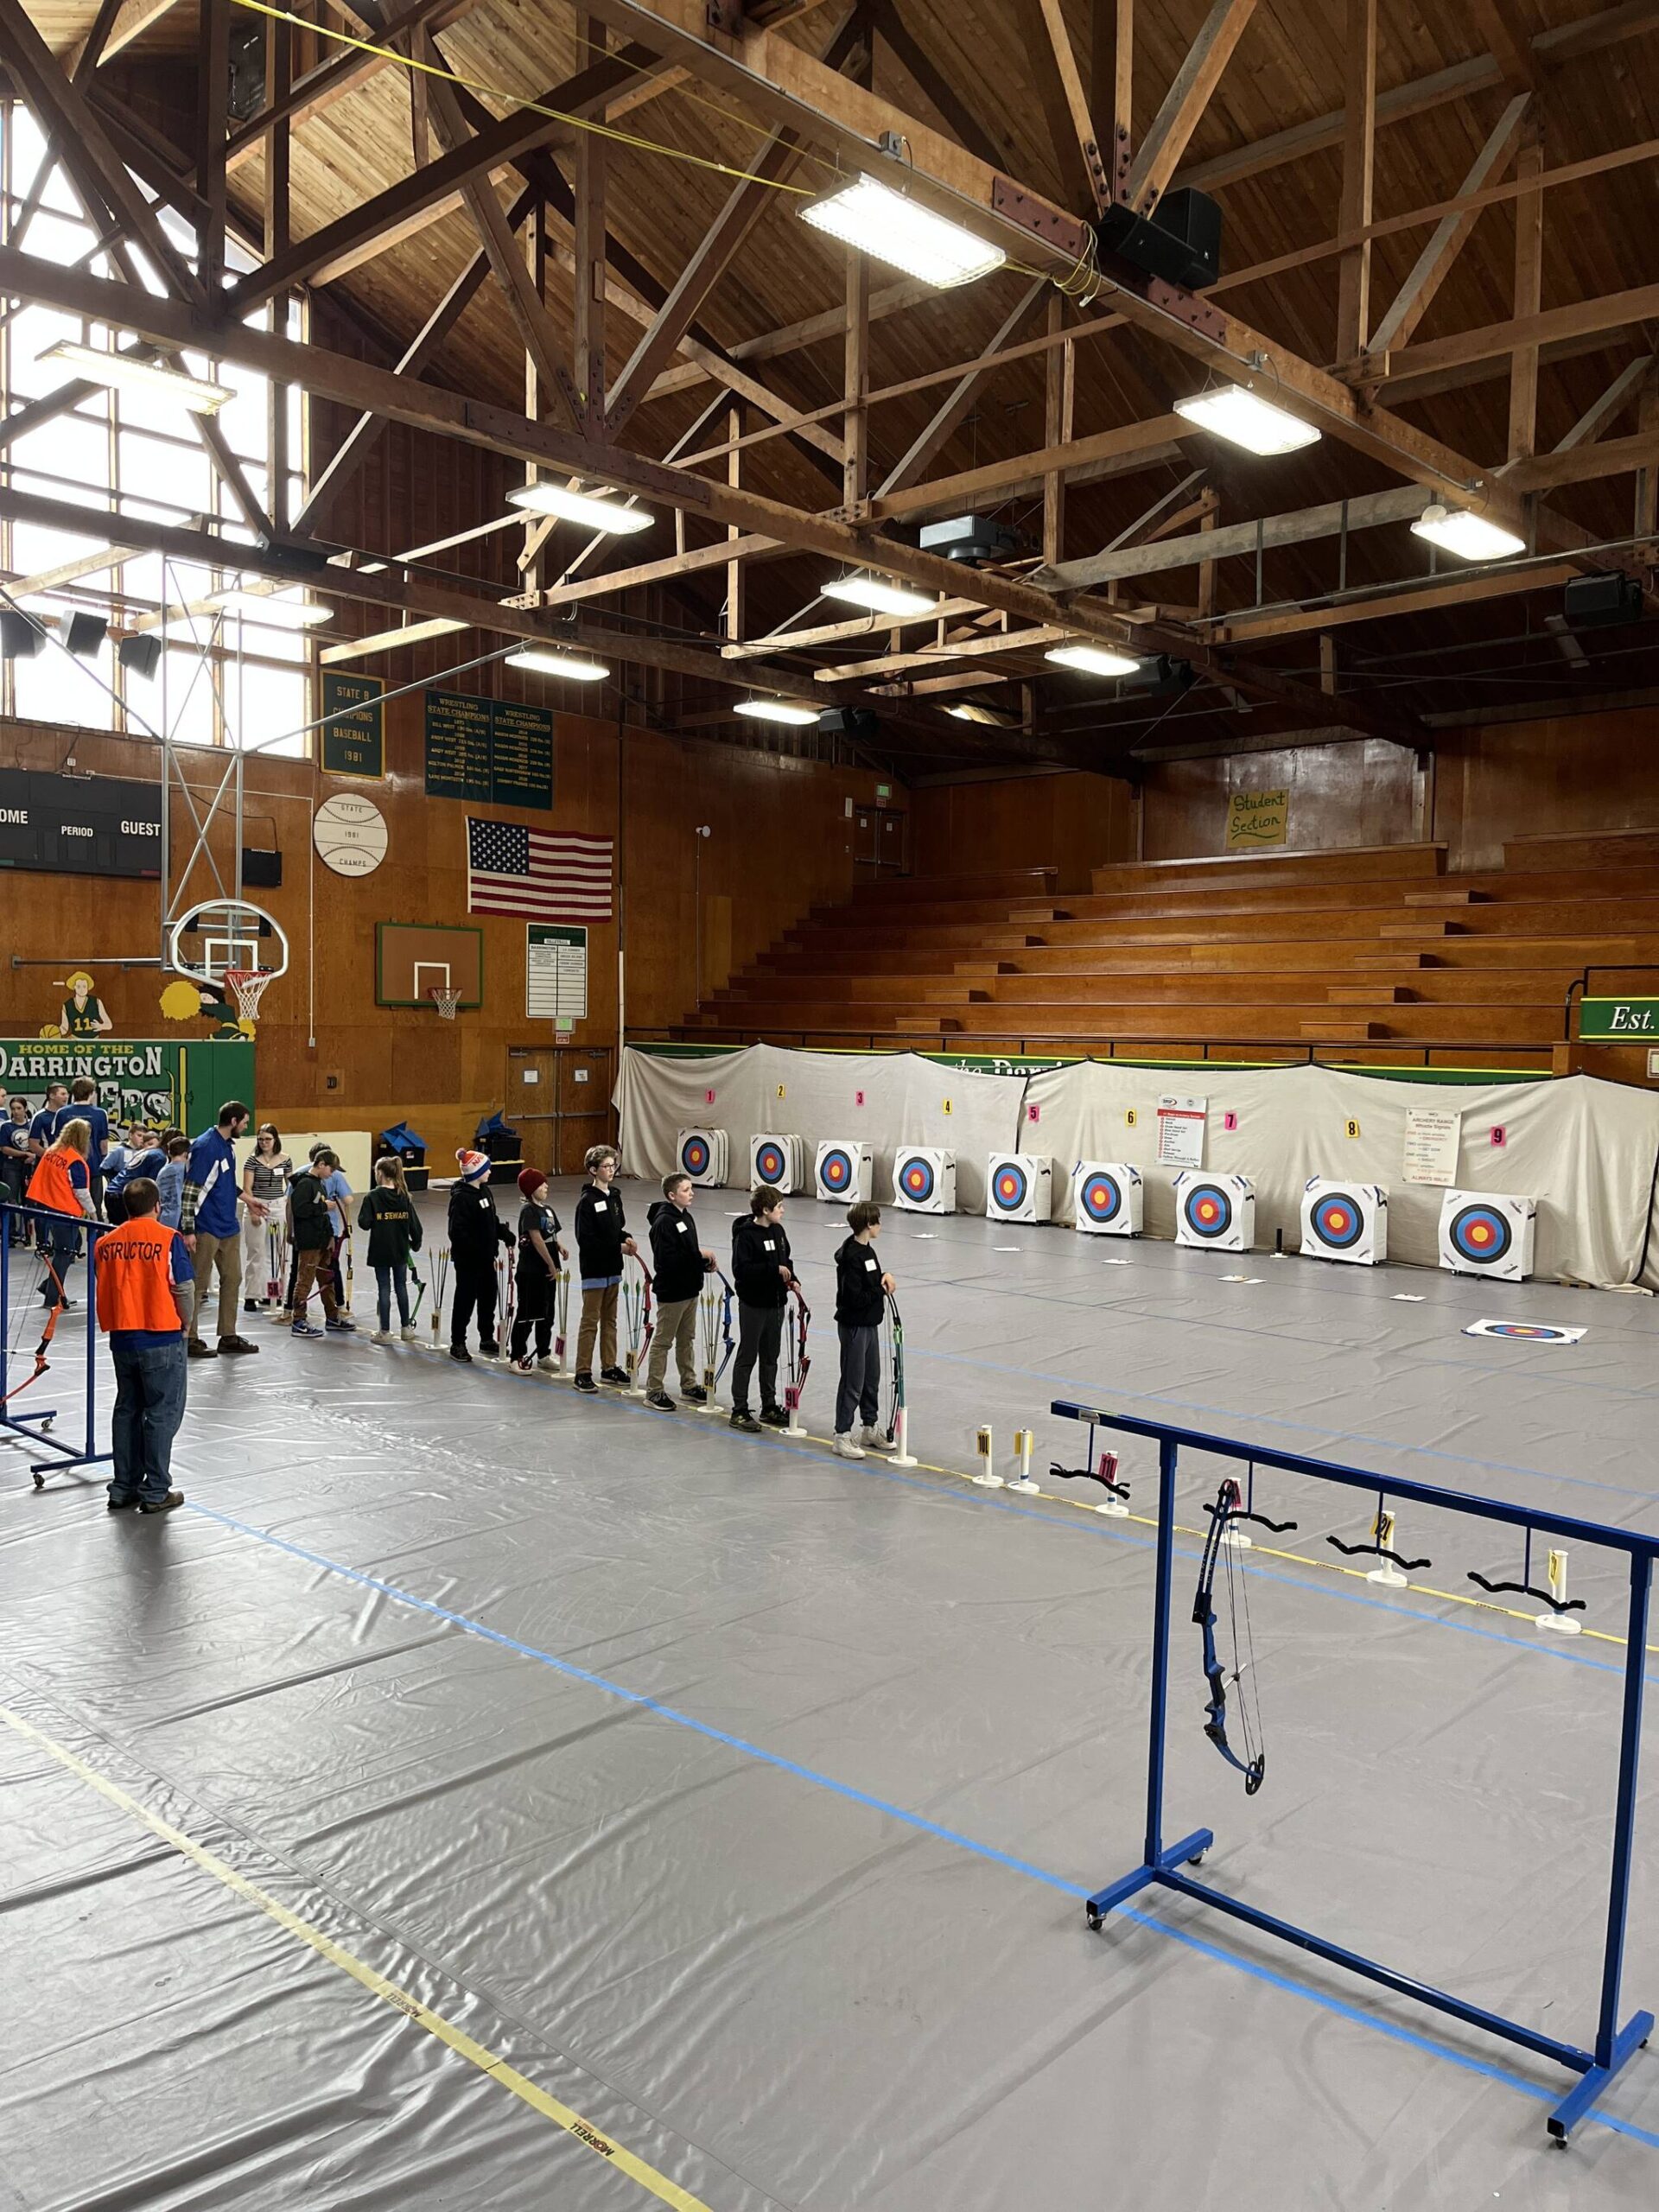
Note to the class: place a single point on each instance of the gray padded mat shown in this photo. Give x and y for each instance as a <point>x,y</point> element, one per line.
<point>744,1799</point>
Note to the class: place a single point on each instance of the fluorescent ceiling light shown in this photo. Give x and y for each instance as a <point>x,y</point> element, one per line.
<point>775,710</point>
<point>974,714</point>
<point>1094,660</point>
<point>1472,537</point>
<point>881,597</point>
<point>581,507</point>
<point>196,393</point>
<point>1233,411</point>
<point>275,613</point>
<point>906,235</point>
<point>540,662</point>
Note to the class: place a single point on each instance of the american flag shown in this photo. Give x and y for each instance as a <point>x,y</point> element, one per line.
<point>553,875</point>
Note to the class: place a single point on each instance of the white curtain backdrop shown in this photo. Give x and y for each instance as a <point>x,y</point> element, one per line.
<point>1588,1151</point>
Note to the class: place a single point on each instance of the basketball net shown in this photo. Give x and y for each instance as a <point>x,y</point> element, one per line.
<point>445,999</point>
<point>247,987</point>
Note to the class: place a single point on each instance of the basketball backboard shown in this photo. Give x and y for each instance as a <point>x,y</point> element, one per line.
<point>221,933</point>
<point>413,959</point>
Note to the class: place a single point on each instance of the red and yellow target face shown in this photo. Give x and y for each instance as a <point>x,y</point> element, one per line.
<point>1208,1211</point>
<point>1008,1187</point>
<point>1479,1232</point>
<point>835,1170</point>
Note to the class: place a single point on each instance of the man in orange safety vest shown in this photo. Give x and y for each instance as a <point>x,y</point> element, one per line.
<point>145,1284</point>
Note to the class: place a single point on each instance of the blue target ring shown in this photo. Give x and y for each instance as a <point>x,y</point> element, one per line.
<point>1531,1333</point>
<point>1338,1221</point>
<point>835,1170</point>
<point>1480,1234</point>
<point>1208,1211</point>
<point>917,1179</point>
<point>695,1155</point>
<point>770,1164</point>
<point>1101,1199</point>
<point>1010,1185</point>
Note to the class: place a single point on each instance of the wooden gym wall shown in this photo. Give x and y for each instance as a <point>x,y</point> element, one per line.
<point>781,843</point>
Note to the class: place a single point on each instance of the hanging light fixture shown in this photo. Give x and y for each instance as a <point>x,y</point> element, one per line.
<point>881,596</point>
<point>1093,660</point>
<point>1239,414</point>
<point>900,232</point>
<point>544,499</point>
<point>537,660</point>
<point>775,710</point>
<point>1469,536</point>
<point>275,614</point>
<point>199,394</point>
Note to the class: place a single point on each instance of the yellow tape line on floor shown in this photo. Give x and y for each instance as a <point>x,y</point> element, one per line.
<point>475,2053</point>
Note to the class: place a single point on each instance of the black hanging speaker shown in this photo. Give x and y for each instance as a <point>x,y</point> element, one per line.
<point>1179,241</point>
<point>261,871</point>
<point>1592,601</point>
<point>140,656</point>
<point>84,633</point>
<point>21,637</point>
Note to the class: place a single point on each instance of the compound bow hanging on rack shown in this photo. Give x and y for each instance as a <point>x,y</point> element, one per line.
<point>49,1330</point>
<point>798,1358</point>
<point>711,1375</point>
<point>1227,1511</point>
<point>1526,1587</point>
<point>895,1370</point>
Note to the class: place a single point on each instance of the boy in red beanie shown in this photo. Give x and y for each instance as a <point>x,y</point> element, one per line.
<point>540,1255</point>
<point>475,1232</point>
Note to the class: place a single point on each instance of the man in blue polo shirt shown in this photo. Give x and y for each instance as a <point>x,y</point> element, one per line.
<point>42,1128</point>
<point>211,1233</point>
<point>84,1107</point>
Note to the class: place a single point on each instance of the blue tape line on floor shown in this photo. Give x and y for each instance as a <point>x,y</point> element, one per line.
<point>918,1821</point>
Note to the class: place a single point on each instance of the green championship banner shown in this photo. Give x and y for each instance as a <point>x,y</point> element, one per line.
<point>1618,1021</point>
<point>139,1078</point>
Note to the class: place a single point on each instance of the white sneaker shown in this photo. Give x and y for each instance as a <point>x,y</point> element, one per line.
<point>547,1364</point>
<point>877,1440</point>
<point>382,1336</point>
<point>408,1333</point>
<point>846,1449</point>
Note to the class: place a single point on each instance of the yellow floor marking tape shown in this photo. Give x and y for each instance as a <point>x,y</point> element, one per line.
<point>475,2053</point>
<point>1150,1520</point>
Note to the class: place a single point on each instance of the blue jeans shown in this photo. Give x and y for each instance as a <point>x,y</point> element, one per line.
<point>386,1280</point>
<point>148,1407</point>
<point>60,1238</point>
<point>860,1389</point>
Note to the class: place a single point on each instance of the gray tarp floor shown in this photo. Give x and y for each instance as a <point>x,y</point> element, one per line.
<point>755,1825</point>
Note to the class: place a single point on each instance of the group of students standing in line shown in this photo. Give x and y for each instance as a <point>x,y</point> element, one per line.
<point>762,1276</point>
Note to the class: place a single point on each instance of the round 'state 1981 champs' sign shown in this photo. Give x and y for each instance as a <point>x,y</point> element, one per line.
<point>350,835</point>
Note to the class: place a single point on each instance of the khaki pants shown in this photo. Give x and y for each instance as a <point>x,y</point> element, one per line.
<point>676,1326</point>
<point>306,1278</point>
<point>598,1320</point>
<point>225,1253</point>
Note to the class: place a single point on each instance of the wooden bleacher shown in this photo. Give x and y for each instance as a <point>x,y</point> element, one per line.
<point>1373,953</point>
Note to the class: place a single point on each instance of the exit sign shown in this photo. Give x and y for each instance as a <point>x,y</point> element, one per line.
<point>1618,1021</point>
<point>883,791</point>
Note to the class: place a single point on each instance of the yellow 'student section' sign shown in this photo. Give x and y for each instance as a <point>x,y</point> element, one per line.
<point>1256,818</point>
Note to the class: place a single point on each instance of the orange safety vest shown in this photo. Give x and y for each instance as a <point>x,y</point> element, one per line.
<point>134,1270</point>
<point>49,1185</point>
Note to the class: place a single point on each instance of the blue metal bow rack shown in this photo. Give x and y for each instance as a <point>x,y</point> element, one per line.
<point>1165,1863</point>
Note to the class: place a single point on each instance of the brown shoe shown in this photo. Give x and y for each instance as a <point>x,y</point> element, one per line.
<point>174,1498</point>
<point>236,1344</point>
<point>199,1350</point>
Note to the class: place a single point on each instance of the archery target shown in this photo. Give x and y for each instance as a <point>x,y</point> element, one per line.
<point>1526,1332</point>
<point>1215,1210</point>
<point>844,1171</point>
<point>702,1155</point>
<point>1107,1197</point>
<point>1345,1221</point>
<point>1018,1186</point>
<point>777,1160</point>
<point>1485,1233</point>
<point>924,1180</point>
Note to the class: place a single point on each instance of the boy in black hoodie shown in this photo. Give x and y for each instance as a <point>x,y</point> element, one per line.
<point>761,1275</point>
<point>602,1245</point>
<point>860,1291</point>
<point>679,1264</point>
<point>540,1256</point>
<point>476,1234</point>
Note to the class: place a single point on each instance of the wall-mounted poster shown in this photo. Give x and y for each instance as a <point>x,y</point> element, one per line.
<point>355,743</point>
<point>1256,818</point>
<point>491,749</point>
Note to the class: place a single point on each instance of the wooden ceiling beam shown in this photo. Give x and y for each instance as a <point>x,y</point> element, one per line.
<point>1499,23</point>
<point>1433,264</point>
<point>1437,597</point>
<point>1358,174</point>
<point>935,434</point>
<point>1499,339</point>
<point>115,29</point>
<point>343,72</point>
<point>1370,511</point>
<point>1160,153</point>
<point>1609,404</point>
<point>390,215</point>
<point>1612,26</point>
<point>1066,105</point>
<point>1527,293</point>
<point>935,86</point>
<point>1586,463</point>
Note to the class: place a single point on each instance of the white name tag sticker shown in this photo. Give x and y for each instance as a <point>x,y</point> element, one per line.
<point>768,1245</point>
<point>601,1205</point>
<point>680,1225</point>
<point>870,1264</point>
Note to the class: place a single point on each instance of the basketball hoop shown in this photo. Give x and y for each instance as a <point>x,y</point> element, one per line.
<point>247,987</point>
<point>445,999</point>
